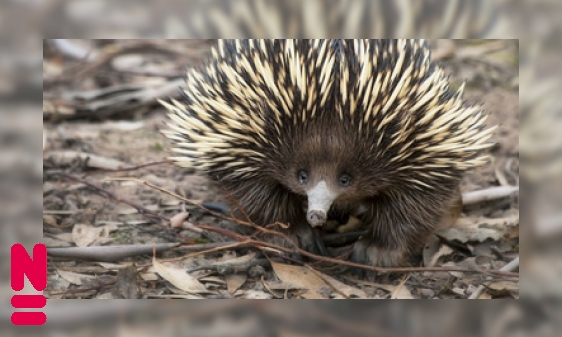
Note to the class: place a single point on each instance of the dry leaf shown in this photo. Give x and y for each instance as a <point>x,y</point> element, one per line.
<point>149,274</point>
<point>84,235</point>
<point>235,281</point>
<point>127,209</point>
<point>478,222</point>
<point>433,251</point>
<point>514,232</point>
<point>115,266</point>
<point>177,220</point>
<point>257,295</point>
<point>397,291</point>
<point>465,235</point>
<point>49,221</point>
<point>312,295</point>
<point>57,242</point>
<point>443,251</point>
<point>299,277</point>
<point>402,293</point>
<point>178,277</point>
<point>485,296</point>
<point>74,278</point>
<point>92,160</point>
<point>503,285</point>
<point>304,278</point>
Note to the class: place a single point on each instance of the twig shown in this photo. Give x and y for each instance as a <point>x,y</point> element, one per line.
<point>402,283</point>
<point>514,264</point>
<point>72,50</point>
<point>110,52</point>
<point>90,159</point>
<point>276,249</point>
<point>488,194</point>
<point>126,169</point>
<point>151,215</point>
<point>109,253</point>
<point>476,52</point>
<point>510,171</point>
<point>212,250</point>
<point>204,246</point>
<point>237,204</point>
<point>177,196</point>
<point>231,268</point>
<point>268,288</point>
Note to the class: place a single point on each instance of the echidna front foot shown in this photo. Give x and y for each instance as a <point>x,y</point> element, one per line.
<point>306,237</point>
<point>373,254</point>
<point>309,239</point>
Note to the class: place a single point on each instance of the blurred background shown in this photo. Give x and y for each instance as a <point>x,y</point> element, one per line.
<point>23,25</point>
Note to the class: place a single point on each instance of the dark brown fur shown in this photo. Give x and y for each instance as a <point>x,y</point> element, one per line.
<point>400,218</point>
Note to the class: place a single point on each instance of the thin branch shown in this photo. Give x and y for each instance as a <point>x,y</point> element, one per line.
<point>514,264</point>
<point>250,241</point>
<point>151,215</point>
<point>109,253</point>
<point>488,194</point>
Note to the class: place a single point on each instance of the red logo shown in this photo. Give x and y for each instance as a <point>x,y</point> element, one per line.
<point>36,271</point>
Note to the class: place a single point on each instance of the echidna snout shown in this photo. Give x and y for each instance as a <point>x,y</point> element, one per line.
<point>320,198</point>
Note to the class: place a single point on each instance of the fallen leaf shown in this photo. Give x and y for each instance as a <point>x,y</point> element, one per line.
<point>397,291</point>
<point>485,296</point>
<point>177,220</point>
<point>304,278</point>
<point>443,251</point>
<point>115,266</point>
<point>146,276</point>
<point>514,232</point>
<point>235,281</point>
<point>49,221</point>
<point>178,277</point>
<point>231,258</point>
<point>471,234</point>
<point>433,251</point>
<point>74,278</point>
<point>402,293</point>
<point>60,240</point>
<point>503,285</point>
<point>299,277</point>
<point>312,295</point>
<point>483,222</point>
<point>257,295</point>
<point>84,235</point>
<point>94,161</point>
<point>126,286</point>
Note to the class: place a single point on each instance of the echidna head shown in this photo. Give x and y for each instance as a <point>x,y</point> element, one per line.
<point>324,168</point>
<point>322,185</point>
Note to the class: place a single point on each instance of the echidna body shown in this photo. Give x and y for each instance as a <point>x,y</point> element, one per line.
<point>295,129</point>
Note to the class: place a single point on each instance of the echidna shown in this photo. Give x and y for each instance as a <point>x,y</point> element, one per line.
<point>294,129</point>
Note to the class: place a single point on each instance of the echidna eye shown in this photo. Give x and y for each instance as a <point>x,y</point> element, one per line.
<point>345,180</point>
<point>303,177</point>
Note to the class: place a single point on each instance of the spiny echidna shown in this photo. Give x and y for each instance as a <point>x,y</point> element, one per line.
<point>294,129</point>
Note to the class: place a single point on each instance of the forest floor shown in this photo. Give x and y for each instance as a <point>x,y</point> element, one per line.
<point>101,117</point>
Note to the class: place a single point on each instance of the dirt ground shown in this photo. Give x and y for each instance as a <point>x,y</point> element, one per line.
<point>99,118</point>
